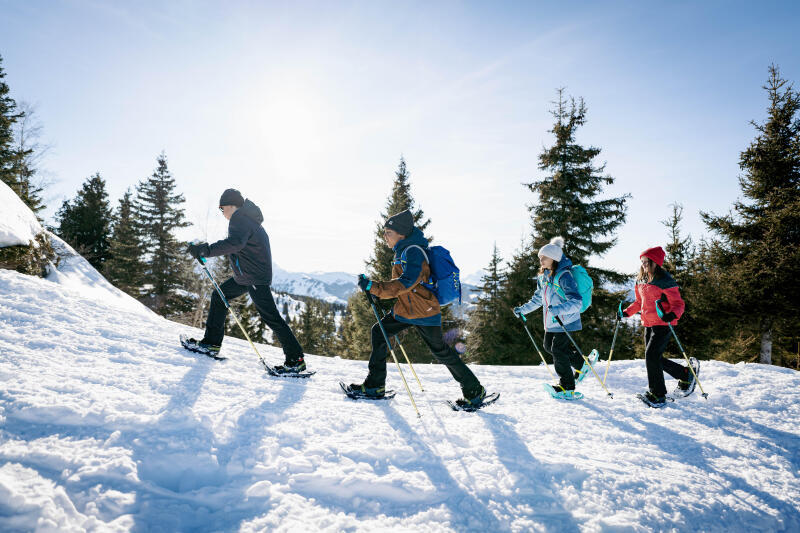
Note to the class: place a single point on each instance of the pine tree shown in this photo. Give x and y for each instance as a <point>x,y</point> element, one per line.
<point>9,115</point>
<point>359,318</point>
<point>329,339</point>
<point>758,247</point>
<point>159,215</point>
<point>379,265</point>
<point>28,153</point>
<point>486,342</point>
<point>519,286</point>
<point>85,222</point>
<point>568,206</point>
<point>679,249</point>
<point>124,267</point>
<point>306,329</point>
<point>356,326</point>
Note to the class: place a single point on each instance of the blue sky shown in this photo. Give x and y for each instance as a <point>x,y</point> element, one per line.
<point>307,107</point>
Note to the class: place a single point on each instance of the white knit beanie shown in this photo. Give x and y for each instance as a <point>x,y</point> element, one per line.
<point>554,250</point>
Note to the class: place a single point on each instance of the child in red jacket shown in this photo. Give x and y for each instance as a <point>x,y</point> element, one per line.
<point>656,284</point>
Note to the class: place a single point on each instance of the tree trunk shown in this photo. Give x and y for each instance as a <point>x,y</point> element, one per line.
<point>765,357</point>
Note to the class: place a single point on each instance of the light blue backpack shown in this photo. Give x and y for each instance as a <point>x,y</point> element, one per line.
<point>584,283</point>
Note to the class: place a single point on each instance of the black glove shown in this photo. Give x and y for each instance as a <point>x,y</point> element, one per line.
<point>198,250</point>
<point>620,313</point>
<point>364,282</point>
<point>669,317</point>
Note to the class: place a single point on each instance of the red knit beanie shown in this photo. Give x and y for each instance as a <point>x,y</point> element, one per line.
<point>656,254</point>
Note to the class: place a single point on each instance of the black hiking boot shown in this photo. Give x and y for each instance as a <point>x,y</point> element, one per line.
<point>473,399</point>
<point>654,401</point>
<point>291,367</point>
<point>358,389</point>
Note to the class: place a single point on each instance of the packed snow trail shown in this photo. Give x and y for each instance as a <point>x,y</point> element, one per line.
<point>106,423</point>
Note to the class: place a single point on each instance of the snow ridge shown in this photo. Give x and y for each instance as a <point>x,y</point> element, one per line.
<point>107,425</point>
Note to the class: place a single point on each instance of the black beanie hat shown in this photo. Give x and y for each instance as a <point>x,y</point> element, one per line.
<point>402,223</point>
<point>231,197</point>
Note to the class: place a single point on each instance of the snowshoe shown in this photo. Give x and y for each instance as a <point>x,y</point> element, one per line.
<point>357,391</point>
<point>593,356</point>
<point>478,401</point>
<point>686,387</point>
<point>193,345</point>
<point>560,394</point>
<point>656,402</point>
<point>290,369</point>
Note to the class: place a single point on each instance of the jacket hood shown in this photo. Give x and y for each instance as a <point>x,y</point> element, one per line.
<point>416,238</point>
<point>564,264</point>
<point>251,210</point>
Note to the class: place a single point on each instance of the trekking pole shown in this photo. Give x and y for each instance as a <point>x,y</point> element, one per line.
<point>611,351</point>
<point>525,325</point>
<point>202,261</point>
<point>581,354</point>
<point>397,340</point>
<point>391,350</point>
<point>660,314</point>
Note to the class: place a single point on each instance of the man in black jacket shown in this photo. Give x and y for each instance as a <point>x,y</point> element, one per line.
<point>247,248</point>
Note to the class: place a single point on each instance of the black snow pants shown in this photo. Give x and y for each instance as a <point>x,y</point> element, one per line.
<point>557,344</point>
<point>265,305</point>
<point>432,335</point>
<point>655,340</point>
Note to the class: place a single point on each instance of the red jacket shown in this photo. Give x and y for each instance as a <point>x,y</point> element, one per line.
<point>648,293</point>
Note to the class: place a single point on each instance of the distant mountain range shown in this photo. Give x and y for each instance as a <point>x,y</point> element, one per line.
<point>336,287</point>
<point>331,287</point>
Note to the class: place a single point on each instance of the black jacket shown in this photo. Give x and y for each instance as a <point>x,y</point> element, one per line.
<point>247,247</point>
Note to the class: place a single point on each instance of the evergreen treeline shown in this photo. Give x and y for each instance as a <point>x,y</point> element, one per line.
<point>739,284</point>
<point>19,148</point>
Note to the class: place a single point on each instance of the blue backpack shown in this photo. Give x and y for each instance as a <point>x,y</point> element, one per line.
<point>584,283</point>
<point>445,282</point>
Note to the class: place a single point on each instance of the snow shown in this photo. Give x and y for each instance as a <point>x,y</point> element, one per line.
<point>107,425</point>
<point>18,224</point>
<point>78,275</point>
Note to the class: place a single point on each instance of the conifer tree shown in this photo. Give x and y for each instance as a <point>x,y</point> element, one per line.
<point>305,329</point>
<point>567,198</point>
<point>519,286</point>
<point>28,153</point>
<point>487,343</point>
<point>159,214</point>
<point>757,251</point>
<point>356,325</point>
<point>379,265</point>
<point>568,206</point>
<point>9,115</point>
<point>124,267</point>
<point>85,222</point>
<point>315,328</point>
<point>679,249</point>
